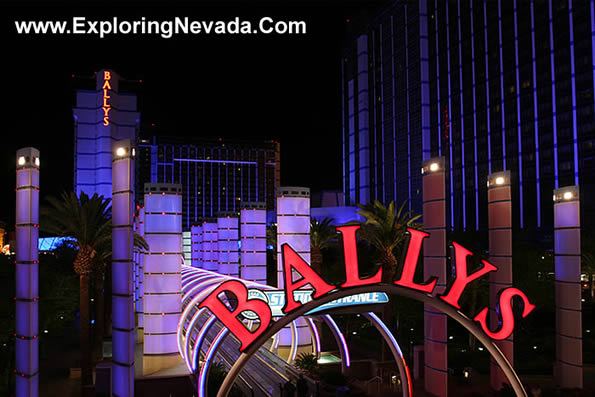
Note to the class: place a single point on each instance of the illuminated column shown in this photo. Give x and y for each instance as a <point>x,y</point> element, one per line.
<point>435,328</point>
<point>122,268</point>
<point>209,246</point>
<point>227,243</point>
<point>567,248</point>
<point>500,236</point>
<point>253,230</point>
<point>141,285</point>
<point>293,228</point>
<point>163,232</point>
<point>196,232</point>
<point>27,273</point>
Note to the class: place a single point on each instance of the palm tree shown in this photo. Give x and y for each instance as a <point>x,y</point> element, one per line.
<point>322,233</point>
<point>386,230</point>
<point>87,221</point>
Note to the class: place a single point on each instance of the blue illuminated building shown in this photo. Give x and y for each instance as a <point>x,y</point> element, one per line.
<point>216,174</point>
<point>489,85</point>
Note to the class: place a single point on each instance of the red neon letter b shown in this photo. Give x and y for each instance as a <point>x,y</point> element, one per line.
<point>230,318</point>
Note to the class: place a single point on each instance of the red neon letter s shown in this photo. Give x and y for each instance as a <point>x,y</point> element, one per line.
<point>410,264</point>
<point>462,278</point>
<point>291,261</point>
<point>230,318</point>
<point>351,264</point>
<point>505,305</point>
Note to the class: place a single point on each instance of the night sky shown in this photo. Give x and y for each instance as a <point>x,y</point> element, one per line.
<point>279,87</point>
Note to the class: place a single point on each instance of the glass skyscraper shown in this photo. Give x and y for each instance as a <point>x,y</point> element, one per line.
<point>489,85</point>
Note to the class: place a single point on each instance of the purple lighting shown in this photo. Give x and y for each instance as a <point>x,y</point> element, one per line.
<point>27,273</point>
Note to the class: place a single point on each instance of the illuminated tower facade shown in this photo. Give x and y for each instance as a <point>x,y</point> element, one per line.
<point>228,243</point>
<point>197,237</point>
<point>101,116</point>
<point>253,232</point>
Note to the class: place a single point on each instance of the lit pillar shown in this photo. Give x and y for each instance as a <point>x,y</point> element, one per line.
<point>163,233</point>
<point>196,233</point>
<point>500,237</point>
<point>253,230</point>
<point>141,285</point>
<point>209,246</point>
<point>567,249</point>
<point>27,273</point>
<point>293,228</point>
<point>122,268</point>
<point>227,243</point>
<point>435,328</point>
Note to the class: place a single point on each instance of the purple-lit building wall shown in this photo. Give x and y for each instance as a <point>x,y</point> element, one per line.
<point>27,273</point>
<point>253,232</point>
<point>216,175</point>
<point>489,85</point>
<point>93,138</point>
<point>162,280</point>
<point>209,246</point>
<point>228,243</point>
<point>197,238</point>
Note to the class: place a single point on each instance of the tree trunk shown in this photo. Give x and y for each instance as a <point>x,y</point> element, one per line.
<point>86,369</point>
<point>99,318</point>
<point>316,259</point>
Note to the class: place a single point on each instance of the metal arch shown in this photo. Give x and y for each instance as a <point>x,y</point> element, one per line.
<point>395,349</point>
<point>450,311</point>
<point>340,339</point>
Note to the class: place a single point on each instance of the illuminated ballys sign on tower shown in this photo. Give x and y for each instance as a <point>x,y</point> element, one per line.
<point>252,301</point>
<point>107,76</point>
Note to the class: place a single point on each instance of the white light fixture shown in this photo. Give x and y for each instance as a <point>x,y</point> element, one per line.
<point>434,167</point>
<point>120,151</point>
<point>37,161</point>
<point>499,180</point>
<point>133,152</point>
<point>22,160</point>
<point>567,195</point>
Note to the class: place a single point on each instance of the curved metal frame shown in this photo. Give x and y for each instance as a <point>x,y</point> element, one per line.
<point>450,311</point>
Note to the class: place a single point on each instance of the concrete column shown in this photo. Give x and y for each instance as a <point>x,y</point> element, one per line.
<point>228,243</point>
<point>27,274</point>
<point>122,268</point>
<point>293,228</point>
<point>163,232</point>
<point>567,249</point>
<point>209,246</point>
<point>253,233</point>
<point>435,325</point>
<point>196,232</point>
<point>500,238</point>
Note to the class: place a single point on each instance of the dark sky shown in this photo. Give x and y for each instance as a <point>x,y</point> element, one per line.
<point>273,87</point>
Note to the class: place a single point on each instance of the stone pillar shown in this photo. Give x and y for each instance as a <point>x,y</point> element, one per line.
<point>228,243</point>
<point>253,232</point>
<point>293,228</point>
<point>27,274</point>
<point>196,233</point>
<point>123,323</point>
<point>435,327</point>
<point>567,249</point>
<point>163,232</point>
<point>500,237</point>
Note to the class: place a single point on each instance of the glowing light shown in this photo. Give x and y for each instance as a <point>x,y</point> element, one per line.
<point>207,363</point>
<point>334,325</point>
<point>107,76</point>
<point>37,161</point>
<point>499,180</point>
<point>22,160</point>
<point>434,167</point>
<point>120,151</point>
<point>567,195</point>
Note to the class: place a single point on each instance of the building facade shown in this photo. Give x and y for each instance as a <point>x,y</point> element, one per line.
<point>489,85</point>
<point>101,116</point>
<point>216,175</point>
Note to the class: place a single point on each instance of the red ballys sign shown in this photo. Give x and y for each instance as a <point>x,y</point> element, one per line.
<point>293,263</point>
<point>107,76</point>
